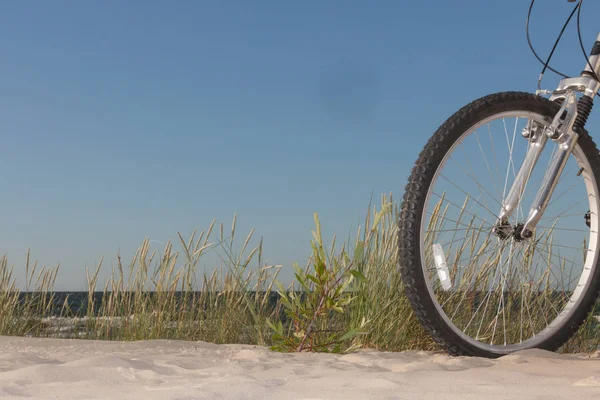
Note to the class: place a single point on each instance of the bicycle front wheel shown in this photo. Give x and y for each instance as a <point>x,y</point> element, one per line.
<point>480,293</point>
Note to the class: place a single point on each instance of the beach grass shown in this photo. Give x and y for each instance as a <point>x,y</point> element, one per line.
<point>346,295</point>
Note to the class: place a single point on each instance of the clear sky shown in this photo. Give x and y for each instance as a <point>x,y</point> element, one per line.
<point>129,119</point>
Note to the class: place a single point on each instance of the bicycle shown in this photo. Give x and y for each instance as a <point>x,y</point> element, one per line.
<point>484,275</point>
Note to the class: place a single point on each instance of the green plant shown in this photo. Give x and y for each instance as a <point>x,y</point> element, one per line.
<point>325,293</point>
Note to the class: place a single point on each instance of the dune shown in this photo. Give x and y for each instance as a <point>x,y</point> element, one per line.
<point>161,369</point>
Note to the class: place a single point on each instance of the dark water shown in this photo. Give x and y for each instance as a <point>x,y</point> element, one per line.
<point>77,302</point>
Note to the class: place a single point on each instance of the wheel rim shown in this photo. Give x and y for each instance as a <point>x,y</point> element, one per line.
<point>484,302</point>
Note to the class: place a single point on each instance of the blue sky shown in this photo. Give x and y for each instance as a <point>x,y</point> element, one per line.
<point>125,120</point>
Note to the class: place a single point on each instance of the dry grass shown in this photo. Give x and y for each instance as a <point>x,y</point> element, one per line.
<point>163,296</point>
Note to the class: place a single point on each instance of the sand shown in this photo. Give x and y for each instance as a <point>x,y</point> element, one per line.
<point>77,369</point>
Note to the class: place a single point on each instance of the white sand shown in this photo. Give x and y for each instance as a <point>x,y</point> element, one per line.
<point>76,369</point>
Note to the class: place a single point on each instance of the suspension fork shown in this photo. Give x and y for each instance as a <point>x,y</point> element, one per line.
<point>537,141</point>
<point>560,130</point>
<point>565,135</point>
<point>564,130</point>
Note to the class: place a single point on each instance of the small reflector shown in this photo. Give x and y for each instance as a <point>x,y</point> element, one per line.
<point>441,266</point>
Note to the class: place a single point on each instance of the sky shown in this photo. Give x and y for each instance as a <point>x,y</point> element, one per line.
<point>125,120</point>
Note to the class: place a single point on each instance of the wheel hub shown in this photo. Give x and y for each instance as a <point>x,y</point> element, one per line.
<point>505,231</point>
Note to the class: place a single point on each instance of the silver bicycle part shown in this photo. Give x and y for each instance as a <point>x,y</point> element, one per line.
<point>561,132</point>
<point>594,62</point>
<point>583,84</point>
<point>537,140</point>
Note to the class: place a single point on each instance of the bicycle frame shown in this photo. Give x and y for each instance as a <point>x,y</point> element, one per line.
<point>564,129</point>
